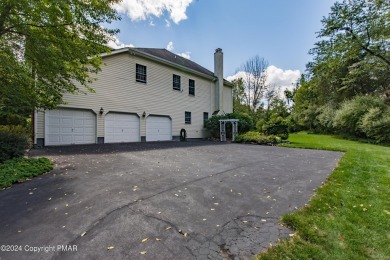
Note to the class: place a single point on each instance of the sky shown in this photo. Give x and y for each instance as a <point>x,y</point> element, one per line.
<point>281,31</point>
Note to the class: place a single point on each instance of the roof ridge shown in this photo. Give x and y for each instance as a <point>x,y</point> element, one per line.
<point>177,59</point>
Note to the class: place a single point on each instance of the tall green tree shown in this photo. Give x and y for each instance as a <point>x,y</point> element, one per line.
<point>239,105</point>
<point>353,57</point>
<point>50,47</point>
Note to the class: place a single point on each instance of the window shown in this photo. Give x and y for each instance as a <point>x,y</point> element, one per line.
<point>187,117</point>
<point>205,117</point>
<point>191,84</point>
<point>176,82</point>
<point>140,73</point>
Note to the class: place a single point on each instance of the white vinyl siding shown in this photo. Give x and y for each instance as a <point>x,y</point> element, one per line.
<point>227,100</point>
<point>116,90</point>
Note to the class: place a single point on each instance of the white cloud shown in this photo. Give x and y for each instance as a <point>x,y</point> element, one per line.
<point>185,55</point>
<point>277,79</point>
<point>167,23</point>
<point>151,23</point>
<point>239,74</point>
<point>170,46</point>
<point>282,79</point>
<point>117,44</point>
<point>138,10</point>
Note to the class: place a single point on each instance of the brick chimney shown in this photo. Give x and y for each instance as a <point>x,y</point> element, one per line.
<point>218,72</point>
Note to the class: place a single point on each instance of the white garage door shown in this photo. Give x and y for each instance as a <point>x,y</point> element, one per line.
<point>121,128</point>
<point>70,126</point>
<point>158,128</point>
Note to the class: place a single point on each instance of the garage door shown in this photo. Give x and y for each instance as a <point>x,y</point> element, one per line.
<point>121,128</point>
<point>158,128</point>
<point>70,126</point>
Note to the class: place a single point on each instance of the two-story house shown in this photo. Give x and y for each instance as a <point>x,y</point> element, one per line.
<point>141,94</point>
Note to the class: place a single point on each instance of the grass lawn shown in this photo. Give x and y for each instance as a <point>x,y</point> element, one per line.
<point>22,169</point>
<point>349,216</point>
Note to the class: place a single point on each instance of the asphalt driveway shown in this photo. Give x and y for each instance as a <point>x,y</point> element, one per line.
<point>194,200</point>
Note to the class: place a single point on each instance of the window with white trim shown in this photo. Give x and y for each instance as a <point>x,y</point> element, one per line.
<point>187,117</point>
<point>176,82</point>
<point>140,73</point>
<point>191,87</point>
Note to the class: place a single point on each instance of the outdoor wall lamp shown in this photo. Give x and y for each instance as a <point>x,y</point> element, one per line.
<point>101,111</point>
<point>144,114</point>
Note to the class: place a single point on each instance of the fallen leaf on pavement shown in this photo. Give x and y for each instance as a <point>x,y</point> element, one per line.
<point>110,247</point>
<point>83,234</point>
<point>145,239</point>
<point>143,253</point>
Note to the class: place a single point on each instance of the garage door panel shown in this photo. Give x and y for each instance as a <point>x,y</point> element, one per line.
<point>121,128</point>
<point>53,130</point>
<point>66,130</point>
<point>69,126</point>
<point>64,113</point>
<point>66,121</point>
<point>66,139</point>
<point>53,120</point>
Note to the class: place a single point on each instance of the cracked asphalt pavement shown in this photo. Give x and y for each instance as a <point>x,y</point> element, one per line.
<point>169,200</point>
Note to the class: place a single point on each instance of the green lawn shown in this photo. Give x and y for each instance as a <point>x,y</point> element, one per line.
<point>22,169</point>
<point>349,216</point>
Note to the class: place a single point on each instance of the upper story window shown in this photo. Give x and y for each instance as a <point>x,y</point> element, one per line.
<point>187,117</point>
<point>176,82</point>
<point>140,73</point>
<point>191,84</point>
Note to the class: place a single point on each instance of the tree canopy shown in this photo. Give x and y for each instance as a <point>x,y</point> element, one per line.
<point>48,48</point>
<point>352,57</point>
<point>350,70</point>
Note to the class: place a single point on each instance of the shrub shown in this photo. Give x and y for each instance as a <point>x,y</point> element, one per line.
<point>325,118</point>
<point>13,142</point>
<point>276,126</point>
<point>245,123</point>
<point>12,119</point>
<point>376,124</point>
<point>259,124</point>
<point>21,169</point>
<point>256,137</point>
<point>348,118</point>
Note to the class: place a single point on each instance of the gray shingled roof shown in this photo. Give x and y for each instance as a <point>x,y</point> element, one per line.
<point>174,58</point>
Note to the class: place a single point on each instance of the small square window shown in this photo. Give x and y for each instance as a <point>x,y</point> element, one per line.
<point>191,84</point>
<point>176,82</point>
<point>205,117</point>
<point>140,73</point>
<point>187,118</point>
